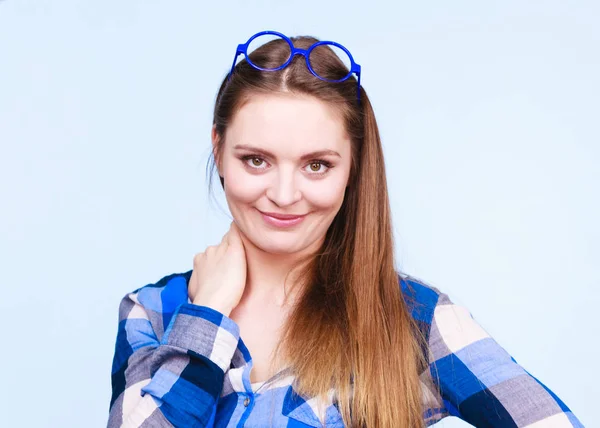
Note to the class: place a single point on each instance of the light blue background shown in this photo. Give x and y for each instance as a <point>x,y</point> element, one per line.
<point>489,118</point>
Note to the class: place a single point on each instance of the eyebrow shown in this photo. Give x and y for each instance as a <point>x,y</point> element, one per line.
<point>306,156</point>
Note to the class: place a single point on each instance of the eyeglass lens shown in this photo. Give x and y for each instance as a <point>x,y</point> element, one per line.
<point>325,69</point>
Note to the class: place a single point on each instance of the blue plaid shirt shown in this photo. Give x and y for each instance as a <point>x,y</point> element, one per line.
<point>184,365</point>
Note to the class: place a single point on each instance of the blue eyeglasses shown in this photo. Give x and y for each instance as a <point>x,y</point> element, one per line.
<point>322,74</point>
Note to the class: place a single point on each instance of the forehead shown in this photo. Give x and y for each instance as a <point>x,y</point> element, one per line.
<point>288,122</point>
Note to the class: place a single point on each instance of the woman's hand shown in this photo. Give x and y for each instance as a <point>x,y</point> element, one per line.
<point>219,276</point>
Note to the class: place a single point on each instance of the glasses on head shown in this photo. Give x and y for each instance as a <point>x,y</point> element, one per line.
<point>311,56</point>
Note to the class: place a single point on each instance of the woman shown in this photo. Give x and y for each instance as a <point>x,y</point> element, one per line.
<point>298,318</point>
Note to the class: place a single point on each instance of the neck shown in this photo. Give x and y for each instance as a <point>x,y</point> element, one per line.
<point>266,275</point>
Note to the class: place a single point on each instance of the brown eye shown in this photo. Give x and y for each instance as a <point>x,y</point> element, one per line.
<point>254,163</point>
<point>319,167</point>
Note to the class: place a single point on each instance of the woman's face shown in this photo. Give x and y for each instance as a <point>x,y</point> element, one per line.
<point>285,155</point>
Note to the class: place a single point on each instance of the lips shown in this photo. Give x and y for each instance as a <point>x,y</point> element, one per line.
<point>283,216</point>
<point>282,221</point>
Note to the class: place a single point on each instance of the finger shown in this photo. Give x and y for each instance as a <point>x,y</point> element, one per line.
<point>199,258</point>
<point>223,245</point>
<point>224,239</point>
<point>233,236</point>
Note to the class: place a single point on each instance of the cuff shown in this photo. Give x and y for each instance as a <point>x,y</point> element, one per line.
<point>204,331</point>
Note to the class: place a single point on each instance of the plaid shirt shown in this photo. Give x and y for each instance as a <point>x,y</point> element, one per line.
<point>184,365</point>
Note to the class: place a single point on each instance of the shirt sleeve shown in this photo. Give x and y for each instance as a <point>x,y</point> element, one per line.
<point>481,383</point>
<point>175,380</point>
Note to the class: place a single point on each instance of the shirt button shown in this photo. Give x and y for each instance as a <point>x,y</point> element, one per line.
<point>246,402</point>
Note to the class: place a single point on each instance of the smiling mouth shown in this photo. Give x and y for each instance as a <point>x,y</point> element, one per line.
<point>283,216</point>
<point>281,221</point>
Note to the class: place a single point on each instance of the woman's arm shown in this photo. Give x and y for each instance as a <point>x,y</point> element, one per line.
<point>175,380</point>
<point>481,383</point>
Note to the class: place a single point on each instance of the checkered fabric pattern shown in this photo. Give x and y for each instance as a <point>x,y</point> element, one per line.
<point>183,365</point>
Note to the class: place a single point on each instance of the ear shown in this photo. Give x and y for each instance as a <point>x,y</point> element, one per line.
<point>215,140</point>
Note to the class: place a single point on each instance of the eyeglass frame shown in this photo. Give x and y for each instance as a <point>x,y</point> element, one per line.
<point>354,67</point>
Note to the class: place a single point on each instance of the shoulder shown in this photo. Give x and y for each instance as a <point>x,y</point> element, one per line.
<point>450,329</point>
<point>420,297</point>
<point>423,300</point>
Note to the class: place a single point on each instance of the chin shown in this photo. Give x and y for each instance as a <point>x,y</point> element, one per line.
<point>279,247</point>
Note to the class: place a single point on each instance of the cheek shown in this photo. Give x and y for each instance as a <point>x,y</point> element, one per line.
<point>325,197</point>
<point>242,188</point>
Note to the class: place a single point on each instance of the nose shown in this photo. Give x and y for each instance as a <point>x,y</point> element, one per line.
<point>283,191</point>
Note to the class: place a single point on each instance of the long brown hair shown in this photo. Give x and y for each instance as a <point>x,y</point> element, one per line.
<point>350,329</point>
